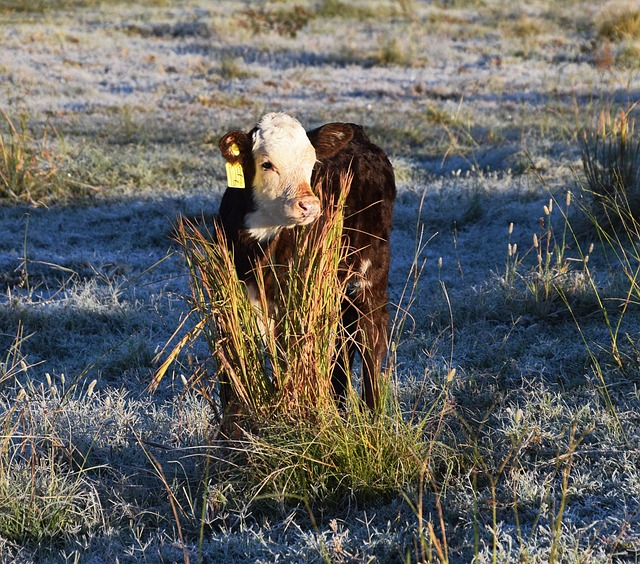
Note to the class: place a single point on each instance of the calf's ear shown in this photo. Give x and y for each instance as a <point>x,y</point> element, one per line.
<point>330,139</point>
<point>235,146</point>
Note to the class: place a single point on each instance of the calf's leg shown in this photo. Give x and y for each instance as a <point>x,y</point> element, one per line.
<point>373,348</point>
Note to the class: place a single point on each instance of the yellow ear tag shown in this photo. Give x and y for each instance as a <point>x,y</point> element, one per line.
<point>235,174</point>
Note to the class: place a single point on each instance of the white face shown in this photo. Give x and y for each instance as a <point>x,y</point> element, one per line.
<point>284,159</point>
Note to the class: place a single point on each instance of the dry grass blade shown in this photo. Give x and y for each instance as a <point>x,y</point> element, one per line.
<point>174,353</point>
<point>175,506</point>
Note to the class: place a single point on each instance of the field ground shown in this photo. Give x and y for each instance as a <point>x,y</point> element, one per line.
<point>481,106</point>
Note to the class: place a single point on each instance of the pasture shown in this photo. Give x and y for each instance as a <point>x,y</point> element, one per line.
<point>514,283</point>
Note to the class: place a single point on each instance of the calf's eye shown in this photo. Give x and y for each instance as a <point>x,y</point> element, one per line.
<point>267,165</point>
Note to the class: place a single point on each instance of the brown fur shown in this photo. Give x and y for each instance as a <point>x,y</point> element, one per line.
<point>340,147</point>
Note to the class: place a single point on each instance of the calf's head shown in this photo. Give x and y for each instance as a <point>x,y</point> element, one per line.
<point>277,159</point>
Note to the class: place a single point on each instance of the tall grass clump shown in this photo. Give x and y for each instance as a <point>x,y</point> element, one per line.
<point>619,24</point>
<point>273,350</point>
<point>29,172</point>
<point>613,215</point>
<point>274,356</point>
<point>26,171</point>
<point>339,9</point>
<point>611,168</point>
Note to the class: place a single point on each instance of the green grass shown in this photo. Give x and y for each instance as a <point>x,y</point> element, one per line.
<point>43,497</point>
<point>334,461</point>
<point>43,503</point>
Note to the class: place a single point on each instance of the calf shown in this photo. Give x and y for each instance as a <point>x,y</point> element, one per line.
<point>271,173</point>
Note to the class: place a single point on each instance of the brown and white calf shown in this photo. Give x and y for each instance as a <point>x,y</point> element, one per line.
<point>280,162</point>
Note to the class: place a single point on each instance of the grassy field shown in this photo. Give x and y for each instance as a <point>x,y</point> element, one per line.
<point>514,288</point>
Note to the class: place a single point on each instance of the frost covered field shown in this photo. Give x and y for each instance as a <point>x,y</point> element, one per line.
<point>111,113</point>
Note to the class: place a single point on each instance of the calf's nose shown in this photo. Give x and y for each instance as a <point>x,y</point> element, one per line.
<point>309,206</point>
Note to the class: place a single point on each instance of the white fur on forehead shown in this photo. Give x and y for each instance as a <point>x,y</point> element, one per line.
<point>279,134</point>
